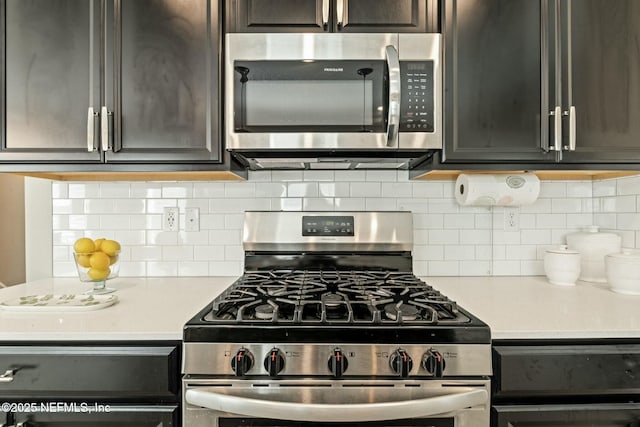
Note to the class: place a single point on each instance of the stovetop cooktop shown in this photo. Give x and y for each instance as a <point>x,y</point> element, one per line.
<point>354,306</point>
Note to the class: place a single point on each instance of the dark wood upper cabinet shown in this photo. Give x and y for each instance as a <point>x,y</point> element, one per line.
<point>331,15</point>
<point>541,82</point>
<point>116,81</point>
<point>494,109</point>
<point>165,90</point>
<point>602,75</point>
<point>51,77</point>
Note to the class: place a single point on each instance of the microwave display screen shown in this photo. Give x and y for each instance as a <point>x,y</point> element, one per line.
<point>313,96</point>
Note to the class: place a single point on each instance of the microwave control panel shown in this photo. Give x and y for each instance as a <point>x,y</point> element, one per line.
<point>416,105</point>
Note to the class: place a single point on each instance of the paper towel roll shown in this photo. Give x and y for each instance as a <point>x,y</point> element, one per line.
<point>497,189</point>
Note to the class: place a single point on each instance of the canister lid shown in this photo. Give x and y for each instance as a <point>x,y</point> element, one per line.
<point>627,255</point>
<point>562,249</point>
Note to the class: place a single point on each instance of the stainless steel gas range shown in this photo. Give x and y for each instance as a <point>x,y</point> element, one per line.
<point>329,326</point>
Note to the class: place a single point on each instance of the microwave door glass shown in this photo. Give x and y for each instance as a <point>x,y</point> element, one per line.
<point>317,96</point>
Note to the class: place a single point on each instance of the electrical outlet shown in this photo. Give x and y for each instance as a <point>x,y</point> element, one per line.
<point>511,219</point>
<point>192,219</point>
<point>170,219</point>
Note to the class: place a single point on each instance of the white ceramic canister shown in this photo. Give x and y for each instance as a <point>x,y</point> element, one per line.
<point>623,271</point>
<point>562,265</point>
<point>593,247</point>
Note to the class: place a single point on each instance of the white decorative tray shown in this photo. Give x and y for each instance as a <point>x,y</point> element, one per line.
<point>62,302</point>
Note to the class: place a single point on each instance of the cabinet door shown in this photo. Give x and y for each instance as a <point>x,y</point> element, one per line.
<point>609,415</point>
<point>165,84</point>
<point>276,16</point>
<point>493,81</point>
<point>51,70</point>
<point>604,82</point>
<point>90,414</point>
<point>385,16</point>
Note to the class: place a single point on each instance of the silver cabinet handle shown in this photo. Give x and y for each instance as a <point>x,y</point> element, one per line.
<point>572,128</point>
<point>104,127</point>
<point>340,13</point>
<point>393,62</point>
<point>8,376</point>
<point>556,113</point>
<point>332,412</point>
<point>325,14</point>
<point>91,127</point>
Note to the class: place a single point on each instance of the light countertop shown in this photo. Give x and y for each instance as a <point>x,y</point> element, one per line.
<point>158,308</point>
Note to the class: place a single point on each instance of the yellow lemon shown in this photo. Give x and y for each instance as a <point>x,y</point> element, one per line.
<point>99,261</point>
<point>98,243</point>
<point>113,259</point>
<point>84,245</point>
<point>110,247</point>
<point>83,260</point>
<point>98,274</point>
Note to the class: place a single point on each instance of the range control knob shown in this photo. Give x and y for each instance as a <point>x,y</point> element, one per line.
<point>338,363</point>
<point>242,362</point>
<point>401,363</point>
<point>433,362</point>
<point>274,362</point>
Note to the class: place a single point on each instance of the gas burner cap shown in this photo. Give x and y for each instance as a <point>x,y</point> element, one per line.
<point>409,312</point>
<point>264,312</point>
<point>332,300</point>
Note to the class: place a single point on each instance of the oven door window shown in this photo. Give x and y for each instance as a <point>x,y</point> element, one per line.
<point>252,422</point>
<point>313,96</point>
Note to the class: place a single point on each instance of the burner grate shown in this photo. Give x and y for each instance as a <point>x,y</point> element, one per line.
<point>334,297</point>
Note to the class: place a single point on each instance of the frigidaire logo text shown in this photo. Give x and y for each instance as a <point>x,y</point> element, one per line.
<point>334,70</point>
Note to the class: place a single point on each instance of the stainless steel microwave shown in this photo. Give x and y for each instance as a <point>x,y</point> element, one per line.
<point>332,100</point>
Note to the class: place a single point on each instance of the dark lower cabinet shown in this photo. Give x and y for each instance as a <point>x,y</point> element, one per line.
<point>567,415</point>
<point>88,384</point>
<point>566,383</point>
<point>362,16</point>
<point>77,414</point>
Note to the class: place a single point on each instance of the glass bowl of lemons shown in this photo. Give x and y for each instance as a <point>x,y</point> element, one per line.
<point>97,262</point>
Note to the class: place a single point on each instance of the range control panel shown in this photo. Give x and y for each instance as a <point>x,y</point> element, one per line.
<point>327,225</point>
<point>416,107</point>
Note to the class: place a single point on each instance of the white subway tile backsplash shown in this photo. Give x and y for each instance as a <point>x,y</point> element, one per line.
<point>145,190</point>
<point>320,175</point>
<point>129,206</point>
<point>288,204</point>
<point>114,190</point>
<point>381,175</point>
<point>208,189</point>
<point>302,189</point>
<point>397,189</point>
<point>240,189</point>
<point>193,269</point>
<point>176,190</point>
<point>317,204</point>
<point>448,239</point>
<point>381,204</point>
<point>84,190</point>
<point>162,268</point>
<point>270,189</point>
<point>59,190</point>
<point>366,189</point>
<point>208,253</point>
<point>350,175</point>
<point>349,204</point>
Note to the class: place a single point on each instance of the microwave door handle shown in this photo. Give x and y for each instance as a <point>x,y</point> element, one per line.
<point>339,412</point>
<point>393,62</point>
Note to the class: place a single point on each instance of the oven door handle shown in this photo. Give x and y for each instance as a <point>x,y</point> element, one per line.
<point>393,121</point>
<point>463,397</point>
